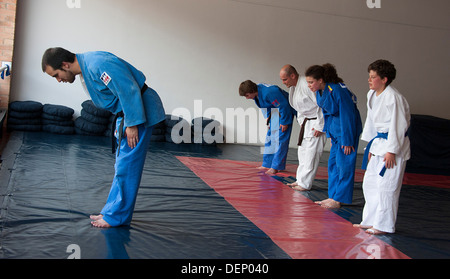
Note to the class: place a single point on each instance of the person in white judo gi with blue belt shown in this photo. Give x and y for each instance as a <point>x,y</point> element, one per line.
<point>115,85</point>
<point>387,123</point>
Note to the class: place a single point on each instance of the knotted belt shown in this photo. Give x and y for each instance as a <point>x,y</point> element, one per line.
<point>302,130</point>
<point>120,114</point>
<point>366,153</point>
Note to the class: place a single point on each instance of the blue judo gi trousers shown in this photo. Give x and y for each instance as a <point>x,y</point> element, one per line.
<point>129,165</point>
<point>277,145</point>
<point>341,173</point>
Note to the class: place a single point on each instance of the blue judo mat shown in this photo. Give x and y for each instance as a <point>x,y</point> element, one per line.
<point>50,184</point>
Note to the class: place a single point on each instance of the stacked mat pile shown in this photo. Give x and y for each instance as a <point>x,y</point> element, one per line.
<point>176,128</point>
<point>93,121</point>
<point>159,132</point>
<point>58,119</point>
<point>25,116</point>
<point>206,131</point>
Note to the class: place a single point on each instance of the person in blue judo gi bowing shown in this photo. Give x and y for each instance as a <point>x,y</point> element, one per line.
<point>115,85</point>
<point>275,106</point>
<point>343,126</point>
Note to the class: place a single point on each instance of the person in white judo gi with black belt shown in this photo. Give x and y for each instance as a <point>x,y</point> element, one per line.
<point>311,140</point>
<point>387,123</point>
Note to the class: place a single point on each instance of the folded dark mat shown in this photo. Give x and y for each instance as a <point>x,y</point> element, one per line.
<point>58,110</point>
<point>92,109</point>
<point>158,138</point>
<point>55,117</point>
<point>93,118</point>
<point>158,131</point>
<point>66,123</point>
<point>24,121</point>
<point>171,121</point>
<point>26,106</point>
<point>203,121</point>
<point>24,114</point>
<point>83,124</point>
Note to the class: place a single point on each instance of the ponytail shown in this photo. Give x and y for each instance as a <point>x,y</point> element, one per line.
<point>327,72</point>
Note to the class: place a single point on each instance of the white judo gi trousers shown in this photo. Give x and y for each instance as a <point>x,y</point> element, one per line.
<point>382,194</point>
<point>309,154</point>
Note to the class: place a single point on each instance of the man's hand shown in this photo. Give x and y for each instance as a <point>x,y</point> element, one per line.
<point>284,128</point>
<point>317,133</point>
<point>132,134</point>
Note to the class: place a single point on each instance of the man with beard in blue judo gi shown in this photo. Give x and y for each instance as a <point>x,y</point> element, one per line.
<point>115,85</point>
<point>274,102</point>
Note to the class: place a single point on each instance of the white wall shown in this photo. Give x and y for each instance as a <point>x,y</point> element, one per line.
<point>202,49</point>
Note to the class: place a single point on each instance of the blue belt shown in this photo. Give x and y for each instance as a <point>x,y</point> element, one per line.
<point>366,153</point>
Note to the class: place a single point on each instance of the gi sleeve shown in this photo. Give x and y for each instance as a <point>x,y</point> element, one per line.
<point>281,101</point>
<point>369,131</point>
<point>320,124</point>
<point>113,74</point>
<point>398,127</point>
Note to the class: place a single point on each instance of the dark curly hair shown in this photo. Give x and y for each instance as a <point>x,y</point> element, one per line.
<point>327,72</point>
<point>54,57</point>
<point>384,69</point>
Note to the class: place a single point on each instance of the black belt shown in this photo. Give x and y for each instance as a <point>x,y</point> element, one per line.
<point>120,114</point>
<point>302,130</point>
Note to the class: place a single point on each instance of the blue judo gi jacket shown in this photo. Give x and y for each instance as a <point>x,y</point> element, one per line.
<point>115,85</point>
<point>342,119</point>
<point>271,96</point>
<point>277,142</point>
<point>343,125</point>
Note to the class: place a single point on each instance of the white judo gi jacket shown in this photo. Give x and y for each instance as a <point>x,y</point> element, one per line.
<point>388,113</point>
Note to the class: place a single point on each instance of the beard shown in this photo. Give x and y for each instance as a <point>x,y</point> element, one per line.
<point>69,76</point>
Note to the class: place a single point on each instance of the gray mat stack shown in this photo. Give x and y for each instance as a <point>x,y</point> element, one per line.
<point>159,132</point>
<point>93,121</point>
<point>58,119</point>
<point>175,129</point>
<point>25,116</point>
<point>206,131</point>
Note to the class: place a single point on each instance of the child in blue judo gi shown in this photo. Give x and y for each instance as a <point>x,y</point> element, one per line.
<point>114,85</point>
<point>343,126</point>
<point>274,103</point>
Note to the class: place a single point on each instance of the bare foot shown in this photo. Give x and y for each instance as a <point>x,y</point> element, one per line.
<point>96,217</point>
<point>262,168</point>
<point>272,171</point>
<point>292,184</point>
<point>100,224</point>
<point>321,202</point>
<point>361,226</point>
<point>330,204</point>
<point>375,231</point>
<point>299,188</point>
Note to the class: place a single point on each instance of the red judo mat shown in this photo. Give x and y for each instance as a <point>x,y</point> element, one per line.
<point>295,223</point>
